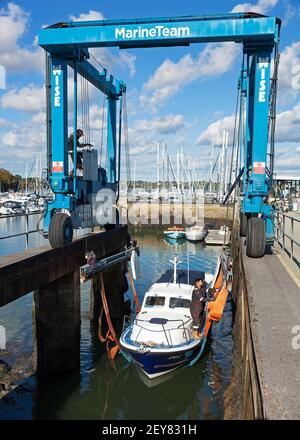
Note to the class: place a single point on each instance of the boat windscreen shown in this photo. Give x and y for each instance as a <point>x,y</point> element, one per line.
<point>182,276</point>
<point>179,302</point>
<point>154,301</point>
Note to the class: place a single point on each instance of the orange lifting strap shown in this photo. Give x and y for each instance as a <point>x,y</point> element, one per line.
<point>111,334</point>
<point>216,308</point>
<point>136,299</point>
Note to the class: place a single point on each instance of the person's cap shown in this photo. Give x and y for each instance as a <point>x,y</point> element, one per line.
<point>201,277</point>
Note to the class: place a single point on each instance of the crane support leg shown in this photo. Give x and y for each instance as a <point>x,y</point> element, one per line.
<point>256,182</point>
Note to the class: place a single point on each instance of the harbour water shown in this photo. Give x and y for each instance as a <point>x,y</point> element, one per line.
<point>111,390</point>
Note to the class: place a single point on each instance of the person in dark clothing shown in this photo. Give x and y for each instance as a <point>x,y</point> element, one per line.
<point>201,295</point>
<point>79,134</point>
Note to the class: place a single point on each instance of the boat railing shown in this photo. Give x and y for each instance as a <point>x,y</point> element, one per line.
<point>167,331</point>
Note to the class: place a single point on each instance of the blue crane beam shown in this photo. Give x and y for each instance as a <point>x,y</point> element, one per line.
<point>106,84</point>
<point>65,37</point>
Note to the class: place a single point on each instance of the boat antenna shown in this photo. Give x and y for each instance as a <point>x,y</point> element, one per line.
<point>188,271</point>
<point>175,262</point>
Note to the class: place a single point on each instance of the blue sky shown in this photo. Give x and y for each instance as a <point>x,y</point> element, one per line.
<point>182,95</point>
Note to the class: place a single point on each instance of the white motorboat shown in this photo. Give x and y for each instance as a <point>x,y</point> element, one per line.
<point>196,233</point>
<point>160,338</point>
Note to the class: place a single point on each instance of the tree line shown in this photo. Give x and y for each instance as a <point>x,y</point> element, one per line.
<point>11,182</point>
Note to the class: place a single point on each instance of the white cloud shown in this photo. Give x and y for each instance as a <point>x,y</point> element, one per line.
<point>289,73</point>
<point>14,22</point>
<point>29,98</point>
<point>147,147</point>
<point>89,16</point>
<point>96,117</point>
<point>214,60</point>
<point>287,137</point>
<point>291,163</point>
<point>215,131</point>
<point>164,125</point>
<point>144,134</point>
<point>287,127</point>
<point>39,118</point>
<point>9,139</point>
<point>261,7</point>
<point>128,60</point>
<point>291,12</point>
<point>14,57</point>
<point>22,136</point>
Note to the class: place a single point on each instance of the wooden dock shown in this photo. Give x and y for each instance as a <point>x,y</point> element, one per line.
<point>215,238</point>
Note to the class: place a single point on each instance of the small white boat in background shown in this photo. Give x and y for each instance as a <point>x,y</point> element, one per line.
<point>223,230</point>
<point>175,232</point>
<point>33,208</point>
<point>196,233</point>
<point>6,211</point>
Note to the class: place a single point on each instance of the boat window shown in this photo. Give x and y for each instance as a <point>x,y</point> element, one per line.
<point>179,302</point>
<point>153,301</point>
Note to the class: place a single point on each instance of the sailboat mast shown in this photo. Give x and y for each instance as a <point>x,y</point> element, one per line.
<point>26,178</point>
<point>225,164</point>
<point>211,164</point>
<point>157,169</point>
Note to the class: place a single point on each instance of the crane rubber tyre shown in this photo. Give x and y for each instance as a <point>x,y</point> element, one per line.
<point>60,230</point>
<point>256,237</point>
<point>243,225</point>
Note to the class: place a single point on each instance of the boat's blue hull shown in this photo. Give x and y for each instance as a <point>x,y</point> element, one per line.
<point>175,235</point>
<point>155,364</point>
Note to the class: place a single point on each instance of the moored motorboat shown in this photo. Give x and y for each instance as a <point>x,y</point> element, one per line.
<point>160,338</point>
<point>175,232</point>
<point>196,233</point>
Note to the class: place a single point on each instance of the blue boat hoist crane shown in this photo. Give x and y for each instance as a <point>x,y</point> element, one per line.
<point>66,45</point>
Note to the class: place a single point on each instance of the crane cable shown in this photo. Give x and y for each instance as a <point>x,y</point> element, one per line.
<point>119,149</point>
<point>236,124</point>
<point>272,116</point>
<point>85,108</point>
<point>126,142</point>
<point>102,131</point>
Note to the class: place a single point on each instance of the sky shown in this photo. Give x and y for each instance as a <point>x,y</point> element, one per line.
<point>182,95</point>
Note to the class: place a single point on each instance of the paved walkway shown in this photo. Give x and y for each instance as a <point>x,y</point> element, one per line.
<point>274,301</point>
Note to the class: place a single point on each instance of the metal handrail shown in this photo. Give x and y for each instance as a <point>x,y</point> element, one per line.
<point>26,232</point>
<point>280,233</point>
<point>163,330</point>
<point>3,217</point>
